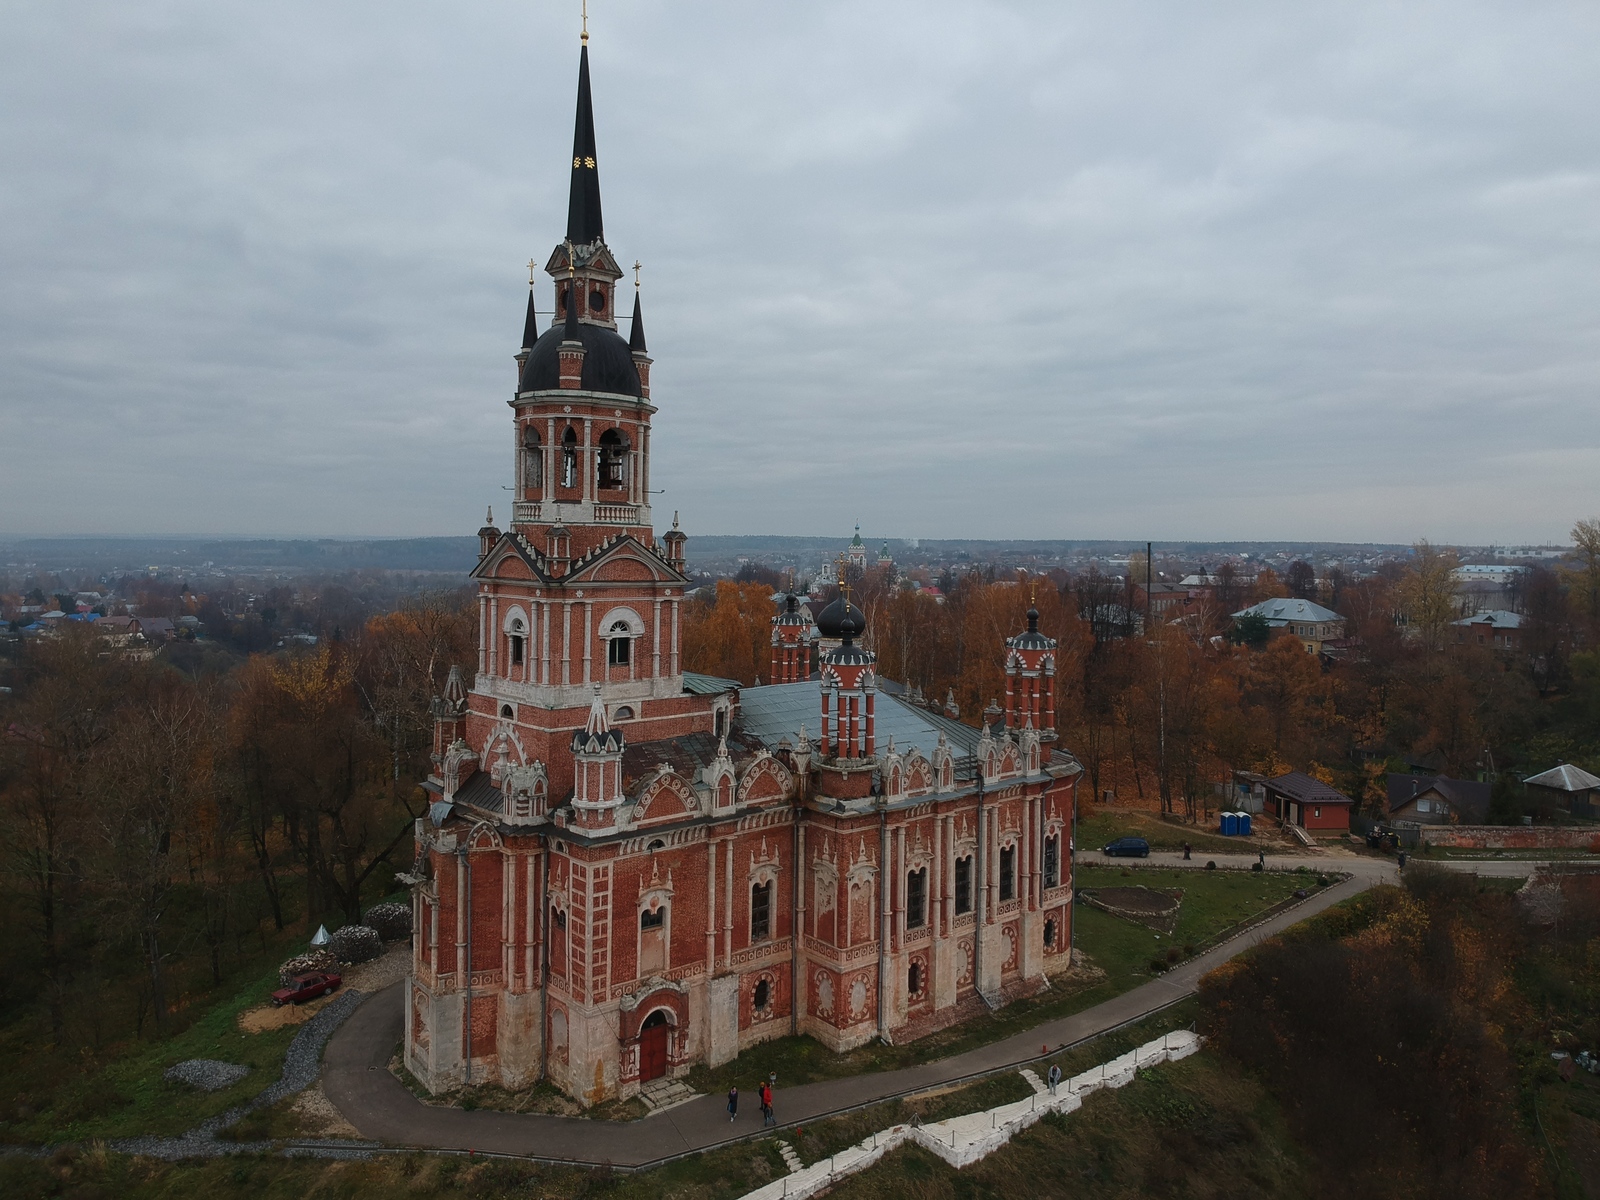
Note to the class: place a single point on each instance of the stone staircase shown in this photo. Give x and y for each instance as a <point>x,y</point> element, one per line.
<point>790,1158</point>
<point>661,1094</point>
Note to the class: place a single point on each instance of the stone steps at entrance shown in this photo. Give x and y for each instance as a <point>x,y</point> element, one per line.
<point>1034,1082</point>
<point>661,1094</point>
<point>790,1158</point>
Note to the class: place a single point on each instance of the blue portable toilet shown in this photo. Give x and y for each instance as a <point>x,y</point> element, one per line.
<point>1244,824</point>
<point>1230,824</point>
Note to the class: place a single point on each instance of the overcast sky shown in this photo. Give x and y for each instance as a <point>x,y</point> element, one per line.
<point>1210,271</point>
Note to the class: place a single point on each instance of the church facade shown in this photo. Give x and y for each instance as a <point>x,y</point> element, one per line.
<point>628,868</point>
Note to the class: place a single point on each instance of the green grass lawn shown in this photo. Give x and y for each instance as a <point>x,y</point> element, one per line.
<point>128,1096</point>
<point>1100,826</point>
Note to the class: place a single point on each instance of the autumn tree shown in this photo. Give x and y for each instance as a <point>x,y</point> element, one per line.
<point>151,782</point>
<point>1267,586</point>
<point>1302,580</point>
<point>403,661</point>
<point>1427,594</point>
<point>74,691</point>
<point>730,637</point>
<point>1586,537</point>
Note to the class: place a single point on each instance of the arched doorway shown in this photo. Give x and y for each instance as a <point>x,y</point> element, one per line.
<point>653,1046</point>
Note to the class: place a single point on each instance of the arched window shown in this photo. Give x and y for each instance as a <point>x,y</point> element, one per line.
<point>625,713</point>
<point>917,898</point>
<point>1052,860</point>
<point>516,641</point>
<point>653,939</point>
<point>763,994</point>
<point>569,458</point>
<point>760,912</point>
<point>914,978</point>
<point>613,459</point>
<point>619,644</point>
<point>1008,873</point>
<point>1050,932</point>
<point>507,712</point>
<point>656,844</point>
<point>532,459</point>
<point>964,884</point>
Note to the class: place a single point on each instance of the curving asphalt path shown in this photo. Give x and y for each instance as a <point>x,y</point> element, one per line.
<point>356,1074</point>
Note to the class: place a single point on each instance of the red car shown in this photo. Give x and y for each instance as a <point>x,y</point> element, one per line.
<point>307,987</point>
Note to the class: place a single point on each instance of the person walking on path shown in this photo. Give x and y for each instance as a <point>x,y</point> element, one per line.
<point>1261,859</point>
<point>768,1117</point>
<point>1054,1077</point>
<point>733,1103</point>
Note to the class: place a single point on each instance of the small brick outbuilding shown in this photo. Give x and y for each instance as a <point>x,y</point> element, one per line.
<point>1298,799</point>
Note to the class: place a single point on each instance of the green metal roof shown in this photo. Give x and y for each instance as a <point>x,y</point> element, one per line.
<point>697,684</point>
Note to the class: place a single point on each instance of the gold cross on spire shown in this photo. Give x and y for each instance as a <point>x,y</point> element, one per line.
<point>533,269</point>
<point>585,22</point>
<point>636,265</point>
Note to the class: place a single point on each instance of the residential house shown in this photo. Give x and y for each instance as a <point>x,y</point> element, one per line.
<point>1436,800</point>
<point>1166,601</point>
<point>1496,628</point>
<point>154,630</point>
<point>1298,799</point>
<point>1305,619</point>
<point>1571,787</point>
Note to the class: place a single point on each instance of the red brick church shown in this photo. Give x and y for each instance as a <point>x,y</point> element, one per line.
<point>629,868</point>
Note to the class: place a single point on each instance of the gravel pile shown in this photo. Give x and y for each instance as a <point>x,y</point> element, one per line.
<point>391,920</point>
<point>206,1074</point>
<point>357,944</point>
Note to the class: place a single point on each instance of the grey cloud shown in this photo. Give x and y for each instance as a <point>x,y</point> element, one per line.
<point>1042,270</point>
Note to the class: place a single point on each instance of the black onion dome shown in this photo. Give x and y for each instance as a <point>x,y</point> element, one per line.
<point>791,614</point>
<point>1033,639</point>
<point>608,364</point>
<point>842,620</point>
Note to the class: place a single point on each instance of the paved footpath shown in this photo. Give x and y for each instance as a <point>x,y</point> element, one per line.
<point>357,1080</point>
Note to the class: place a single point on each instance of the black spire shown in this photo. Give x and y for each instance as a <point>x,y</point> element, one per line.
<point>530,327</point>
<point>636,334</point>
<point>583,203</point>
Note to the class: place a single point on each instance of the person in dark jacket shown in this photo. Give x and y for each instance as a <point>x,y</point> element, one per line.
<point>733,1104</point>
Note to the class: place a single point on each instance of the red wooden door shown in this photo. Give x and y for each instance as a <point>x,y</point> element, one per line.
<point>653,1048</point>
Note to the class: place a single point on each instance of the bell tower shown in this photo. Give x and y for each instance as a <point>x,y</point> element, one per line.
<point>578,600</point>
<point>1031,679</point>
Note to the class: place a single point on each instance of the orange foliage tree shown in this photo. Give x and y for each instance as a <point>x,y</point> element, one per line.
<point>730,637</point>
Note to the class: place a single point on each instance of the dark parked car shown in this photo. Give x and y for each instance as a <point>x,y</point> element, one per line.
<point>1128,847</point>
<point>307,987</point>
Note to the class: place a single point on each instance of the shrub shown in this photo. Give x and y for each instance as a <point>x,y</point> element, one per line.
<point>320,959</point>
<point>356,944</point>
<point>1158,966</point>
<point>391,920</point>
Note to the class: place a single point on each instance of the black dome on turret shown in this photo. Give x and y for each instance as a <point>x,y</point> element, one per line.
<point>842,620</point>
<point>608,364</point>
<point>791,614</point>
